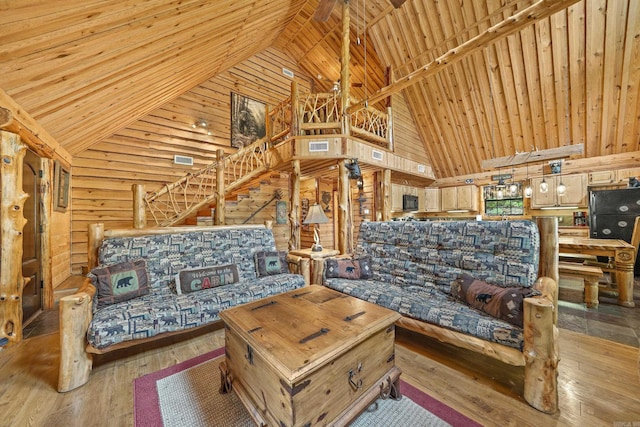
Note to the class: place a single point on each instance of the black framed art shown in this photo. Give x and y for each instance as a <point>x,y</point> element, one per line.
<point>248,120</point>
<point>61,182</point>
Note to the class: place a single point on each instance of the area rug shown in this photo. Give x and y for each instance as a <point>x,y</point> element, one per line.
<point>187,394</point>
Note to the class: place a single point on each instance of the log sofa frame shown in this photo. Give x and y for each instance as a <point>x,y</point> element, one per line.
<point>76,310</point>
<point>540,355</point>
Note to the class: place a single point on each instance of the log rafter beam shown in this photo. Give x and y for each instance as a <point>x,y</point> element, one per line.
<point>533,156</point>
<point>534,13</point>
<point>14,119</point>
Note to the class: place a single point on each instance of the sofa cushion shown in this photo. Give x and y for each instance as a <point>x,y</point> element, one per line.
<point>167,254</point>
<point>435,253</point>
<point>157,313</point>
<point>503,303</point>
<point>428,304</point>
<point>196,279</point>
<point>120,282</point>
<point>269,263</point>
<point>348,268</point>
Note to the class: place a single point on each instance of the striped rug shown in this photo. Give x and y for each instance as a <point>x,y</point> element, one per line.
<point>187,395</point>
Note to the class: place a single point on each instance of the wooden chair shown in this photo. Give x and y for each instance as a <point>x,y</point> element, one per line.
<point>610,266</point>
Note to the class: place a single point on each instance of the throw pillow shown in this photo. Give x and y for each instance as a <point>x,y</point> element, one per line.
<point>502,303</point>
<point>120,282</point>
<point>195,279</point>
<point>348,268</point>
<point>270,263</point>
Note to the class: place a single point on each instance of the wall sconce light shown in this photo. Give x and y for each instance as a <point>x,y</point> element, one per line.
<point>203,124</point>
<point>360,183</point>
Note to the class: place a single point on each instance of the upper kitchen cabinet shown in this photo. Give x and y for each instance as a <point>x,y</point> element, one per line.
<point>431,200</point>
<point>575,194</point>
<point>462,198</point>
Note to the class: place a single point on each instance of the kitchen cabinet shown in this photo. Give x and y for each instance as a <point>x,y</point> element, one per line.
<point>625,174</point>
<point>575,195</point>
<point>602,177</point>
<point>397,191</point>
<point>464,198</point>
<point>431,200</point>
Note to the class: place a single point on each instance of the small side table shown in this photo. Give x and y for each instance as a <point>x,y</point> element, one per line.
<point>316,261</point>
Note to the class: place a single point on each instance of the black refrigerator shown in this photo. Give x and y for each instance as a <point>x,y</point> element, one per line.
<point>612,214</point>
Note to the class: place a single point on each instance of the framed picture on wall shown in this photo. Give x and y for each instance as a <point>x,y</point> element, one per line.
<point>281,212</point>
<point>248,120</point>
<point>61,181</point>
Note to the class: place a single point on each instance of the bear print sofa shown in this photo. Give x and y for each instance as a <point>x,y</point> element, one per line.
<point>474,284</point>
<point>155,282</point>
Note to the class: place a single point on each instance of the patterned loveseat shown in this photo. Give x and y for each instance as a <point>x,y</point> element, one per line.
<point>88,326</point>
<point>417,268</point>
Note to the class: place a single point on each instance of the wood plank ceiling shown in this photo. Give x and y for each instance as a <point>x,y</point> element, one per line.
<point>87,68</point>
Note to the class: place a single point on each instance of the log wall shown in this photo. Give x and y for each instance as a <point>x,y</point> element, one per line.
<point>143,152</point>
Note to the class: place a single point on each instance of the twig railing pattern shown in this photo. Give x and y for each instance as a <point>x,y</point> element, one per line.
<point>279,120</point>
<point>320,109</point>
<point>372,124</point>
<point>177,200</point>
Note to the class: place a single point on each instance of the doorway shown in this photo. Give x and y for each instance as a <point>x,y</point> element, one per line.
<point>31,263</point>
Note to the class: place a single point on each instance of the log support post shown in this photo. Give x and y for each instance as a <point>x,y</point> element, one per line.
<point>220,196</point>
<point>295,109</point>
<point>12,151</point>
<point>139,208</point>
<point>345,76</point>
<point>46,203</point>
<point>390,128</point>
<point>385,191</point>
<point>294,213</point>
<point>345,220</point>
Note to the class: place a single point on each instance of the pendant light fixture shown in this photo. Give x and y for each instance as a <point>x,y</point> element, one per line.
<point>513,188</point>
<point>562,189</point>
<point>528,191</point>
<point>544,186</point>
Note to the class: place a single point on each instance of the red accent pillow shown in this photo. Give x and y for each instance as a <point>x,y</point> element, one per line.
<point>501,303</point>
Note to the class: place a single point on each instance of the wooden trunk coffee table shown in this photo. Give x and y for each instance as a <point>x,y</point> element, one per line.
<point>312,356</point>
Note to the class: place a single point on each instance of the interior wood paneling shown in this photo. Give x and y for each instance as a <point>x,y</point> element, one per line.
<point>143,151</point>
<point>571,78</point>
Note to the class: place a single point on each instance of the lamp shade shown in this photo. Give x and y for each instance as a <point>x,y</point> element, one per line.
<point>315,215</point>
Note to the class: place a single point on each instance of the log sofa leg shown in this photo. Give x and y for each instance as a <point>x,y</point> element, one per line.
<point>75,362</point>
<point>541,355</point>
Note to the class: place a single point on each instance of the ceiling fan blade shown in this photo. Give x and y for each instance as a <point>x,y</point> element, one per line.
<point>397,3</point>
<point>324,9</point>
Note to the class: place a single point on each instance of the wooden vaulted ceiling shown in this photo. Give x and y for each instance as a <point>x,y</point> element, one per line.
<point>87,68</point>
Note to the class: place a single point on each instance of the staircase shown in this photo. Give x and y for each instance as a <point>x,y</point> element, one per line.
<point>174,202</point>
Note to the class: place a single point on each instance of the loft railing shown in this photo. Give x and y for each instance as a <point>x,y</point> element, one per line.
<point>176,201</point>
<point>320,112</point>
<point>279,121</point>
<point>307,114</point>
<point>372,124</point>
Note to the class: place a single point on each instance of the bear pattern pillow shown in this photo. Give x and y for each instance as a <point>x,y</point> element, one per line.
<point>348,268</point>
<point>195,279</point>
<point>502,303</point>
<point>270,263</point>
<point>120,282</point>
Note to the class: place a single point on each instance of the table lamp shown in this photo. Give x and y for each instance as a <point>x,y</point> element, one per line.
<point>316,216</point>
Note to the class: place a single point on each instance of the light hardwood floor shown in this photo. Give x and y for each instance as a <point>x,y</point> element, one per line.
<point>599,382</point>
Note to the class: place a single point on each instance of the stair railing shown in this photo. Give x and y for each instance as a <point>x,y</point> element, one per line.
<point>176,201</point>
